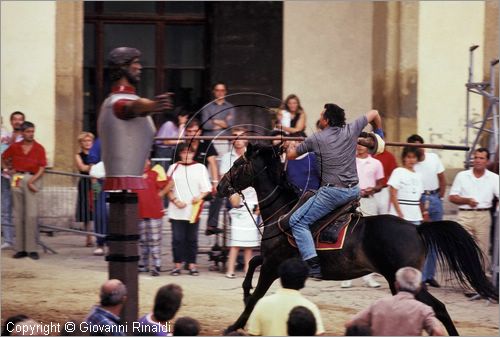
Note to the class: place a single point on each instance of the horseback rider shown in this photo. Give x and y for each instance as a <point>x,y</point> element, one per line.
<point>335,148</point>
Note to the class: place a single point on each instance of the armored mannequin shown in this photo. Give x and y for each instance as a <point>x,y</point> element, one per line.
<point>125,128</point>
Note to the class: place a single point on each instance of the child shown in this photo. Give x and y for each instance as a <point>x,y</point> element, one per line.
<point>191,185</point>
<point>151,219</point>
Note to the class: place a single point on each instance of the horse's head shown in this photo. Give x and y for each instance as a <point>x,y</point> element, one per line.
<point>258,162</point>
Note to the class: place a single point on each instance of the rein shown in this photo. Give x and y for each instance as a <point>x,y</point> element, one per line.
<point>242,196</point>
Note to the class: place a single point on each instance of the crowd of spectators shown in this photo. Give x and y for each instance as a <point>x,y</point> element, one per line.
<point>414,191</point>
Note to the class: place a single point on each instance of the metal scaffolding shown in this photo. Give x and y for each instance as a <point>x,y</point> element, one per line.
<point>486,133</point>
<point>487,127</point>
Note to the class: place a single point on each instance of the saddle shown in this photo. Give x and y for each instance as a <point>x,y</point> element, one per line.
<point>326,229</point>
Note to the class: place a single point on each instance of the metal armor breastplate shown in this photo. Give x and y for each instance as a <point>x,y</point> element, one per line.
<point>125,143</point>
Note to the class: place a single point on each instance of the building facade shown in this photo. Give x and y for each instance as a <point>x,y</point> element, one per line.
<point>407,59</point>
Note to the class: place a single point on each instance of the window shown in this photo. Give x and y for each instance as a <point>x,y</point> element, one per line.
<point>172,38</point>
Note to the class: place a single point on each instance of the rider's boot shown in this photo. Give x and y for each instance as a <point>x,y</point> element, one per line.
<point>314,268</point>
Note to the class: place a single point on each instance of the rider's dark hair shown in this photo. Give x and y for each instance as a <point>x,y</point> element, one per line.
<point>334,114</point>
<point>293,273</point>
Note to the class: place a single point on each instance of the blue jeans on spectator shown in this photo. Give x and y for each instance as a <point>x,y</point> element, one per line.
<point>7,227</point>
<point>435,210</point>
<point>100,215</point>
<point>323,202</point>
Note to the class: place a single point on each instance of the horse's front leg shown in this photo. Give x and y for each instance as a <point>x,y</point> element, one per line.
<point>268,274</point>
<point>247,282</point>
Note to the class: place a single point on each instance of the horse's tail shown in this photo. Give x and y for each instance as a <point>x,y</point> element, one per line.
<point>456,248</point>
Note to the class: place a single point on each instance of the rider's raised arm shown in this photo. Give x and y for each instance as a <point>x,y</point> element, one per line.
<point>373,117</point>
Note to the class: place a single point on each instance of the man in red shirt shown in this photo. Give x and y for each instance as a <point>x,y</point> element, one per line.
<point>26,161</point>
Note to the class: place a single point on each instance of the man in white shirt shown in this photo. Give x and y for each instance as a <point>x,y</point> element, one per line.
<point>473,191</point>
<point>431,169</point>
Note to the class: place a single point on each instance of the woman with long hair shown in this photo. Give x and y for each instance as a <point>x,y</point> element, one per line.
<point>291,117</point>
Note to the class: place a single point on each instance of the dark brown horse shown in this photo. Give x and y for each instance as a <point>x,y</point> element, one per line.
<point>380,244</point>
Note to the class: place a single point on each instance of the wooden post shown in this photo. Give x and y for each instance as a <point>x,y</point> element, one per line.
<point>122,240</point>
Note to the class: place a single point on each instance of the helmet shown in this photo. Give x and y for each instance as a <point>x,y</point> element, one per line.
<point>122,56</point>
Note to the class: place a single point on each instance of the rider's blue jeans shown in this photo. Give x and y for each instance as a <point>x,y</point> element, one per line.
<point>435,210</point>
<point>319,205</point>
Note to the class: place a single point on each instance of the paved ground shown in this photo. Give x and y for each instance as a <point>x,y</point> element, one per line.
<point>64,286</point>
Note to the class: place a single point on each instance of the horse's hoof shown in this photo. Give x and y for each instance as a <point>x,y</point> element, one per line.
<point>228,330</point>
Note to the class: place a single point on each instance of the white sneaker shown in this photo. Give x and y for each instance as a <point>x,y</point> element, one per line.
<point>346,284</point>
<point>6,245</point>
<point>371,283</point>
<point>99,252</point>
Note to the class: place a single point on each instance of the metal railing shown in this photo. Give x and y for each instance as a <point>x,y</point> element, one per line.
<point>59,207</point>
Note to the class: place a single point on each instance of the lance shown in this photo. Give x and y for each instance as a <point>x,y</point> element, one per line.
<point>286,138</point>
